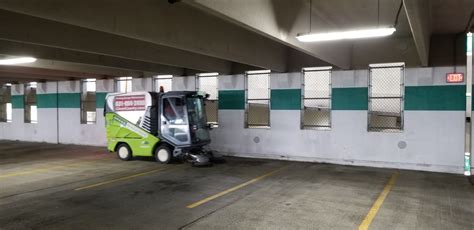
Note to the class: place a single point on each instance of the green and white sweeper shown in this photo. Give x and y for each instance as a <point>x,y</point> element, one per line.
<point>165,126</point>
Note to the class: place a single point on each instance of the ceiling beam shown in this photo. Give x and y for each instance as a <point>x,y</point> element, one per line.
<point>101,47</point>
<point>29,71</point>
<point>280,21</point>
<point>20,77</point>
<point>418,13</point>
<point>177,26</point>
<point>57,58</point>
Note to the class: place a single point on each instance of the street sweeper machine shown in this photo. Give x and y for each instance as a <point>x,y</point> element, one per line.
<point>165,126</point>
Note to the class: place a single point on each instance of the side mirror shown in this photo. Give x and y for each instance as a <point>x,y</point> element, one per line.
<point>210,126</point>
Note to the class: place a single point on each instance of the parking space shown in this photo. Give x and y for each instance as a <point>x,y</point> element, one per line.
<point>78,187</point>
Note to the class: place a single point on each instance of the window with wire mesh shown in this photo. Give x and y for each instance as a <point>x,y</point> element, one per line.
<point>5,104</point>
<point>123,84</point>
<point>257,103</point>
<point>386,97</point>
<point>30,109</point>
<point>209,84</point>
<point>88,101</point>
<point>163,81</point>
<point>316,98</point>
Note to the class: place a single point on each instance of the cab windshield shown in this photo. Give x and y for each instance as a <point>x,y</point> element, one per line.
<point>197,119</point>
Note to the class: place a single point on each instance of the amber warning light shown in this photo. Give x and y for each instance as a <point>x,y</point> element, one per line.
<point>454,78</point>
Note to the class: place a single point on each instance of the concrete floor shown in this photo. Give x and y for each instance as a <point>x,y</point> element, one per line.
<point>44,186</point>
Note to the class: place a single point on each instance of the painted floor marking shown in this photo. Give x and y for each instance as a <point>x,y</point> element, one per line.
<point>49,168</point>
<point>205,200</point>
<point>378,203</point>
<point>126,178</point>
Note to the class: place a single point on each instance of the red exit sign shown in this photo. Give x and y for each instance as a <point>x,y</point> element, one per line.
<point>454,78</point>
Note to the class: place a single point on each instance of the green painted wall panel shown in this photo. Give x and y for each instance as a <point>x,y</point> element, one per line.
<point>100,99</point>
<point>231,99</point>
<point>18,102</point>
<point>421,98</point>
<point>350,98</point>
<point>69,100</point>
<point>45,101</point>
<point>286,99</point>
<point>445,97</point>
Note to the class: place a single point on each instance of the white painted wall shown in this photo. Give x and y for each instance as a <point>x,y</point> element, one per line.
<point>431,140</point>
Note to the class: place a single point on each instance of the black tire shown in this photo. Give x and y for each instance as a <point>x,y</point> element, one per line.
<point>163,154</point>
<point>121,154</point>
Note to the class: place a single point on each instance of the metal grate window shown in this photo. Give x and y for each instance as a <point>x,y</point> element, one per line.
<point>5,103</point>
<point>123,84</point>
<point>257,99</point>
<point>316,98</point>
<point>165,81</point>
<point>386,97</point>
<point>88,101</point>
<point>208,82</point>
<point>30,110</point>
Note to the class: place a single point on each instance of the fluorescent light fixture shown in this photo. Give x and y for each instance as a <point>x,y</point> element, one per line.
<point>20,60</point>
<point>258,71</point>
<point>351,34</point>
<point>33,84</point>
<point>317,68</point>
<point>8,84</point>
<point>163,76</point>
<point>207,74</point>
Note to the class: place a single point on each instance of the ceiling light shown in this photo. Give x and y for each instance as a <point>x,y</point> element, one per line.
<point>317,68</point>
<point>207,74</point>
<point>258,71</point>
<point>164,76</point>
<point>351,34</point>
<point>13,61</point>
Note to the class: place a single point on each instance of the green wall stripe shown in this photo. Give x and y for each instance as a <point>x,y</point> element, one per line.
<point>286,99</point>
<point>45,101</point>
<point>450,97</point>
<point>70,100</point>
<point>231,99</point>
<point>417,98</point>
<point>18,101</point>
<point>350,98</point>
<point>100,99</point>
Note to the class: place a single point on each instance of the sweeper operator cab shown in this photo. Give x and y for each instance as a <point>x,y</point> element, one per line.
<point>166,126</point>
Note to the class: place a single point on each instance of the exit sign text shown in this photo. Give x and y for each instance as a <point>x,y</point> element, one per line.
<point>454,78</point>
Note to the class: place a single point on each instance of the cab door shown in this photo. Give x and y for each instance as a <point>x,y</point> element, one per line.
<point>174,120</point>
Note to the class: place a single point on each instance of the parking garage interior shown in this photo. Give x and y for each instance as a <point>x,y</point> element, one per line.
<point>319,114</point>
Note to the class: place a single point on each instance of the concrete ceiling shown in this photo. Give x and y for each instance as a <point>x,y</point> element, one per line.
<point>121,38</point>
<point>450,17</point>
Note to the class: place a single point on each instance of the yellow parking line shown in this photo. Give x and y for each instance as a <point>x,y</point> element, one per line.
<point>193,205</point>
<point>46,169</point>
<point>376,206</point>
<point>124,178</point>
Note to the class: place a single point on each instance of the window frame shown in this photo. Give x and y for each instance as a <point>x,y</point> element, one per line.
<point>161,77</point>
<point>216,101</point>
<point>246,87</point>
<point>303,98</point>
<point>84,120</point>
<point>29,120</point>
<point>401,97</point>
<point>8,119</point>
<point>118,80</point>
